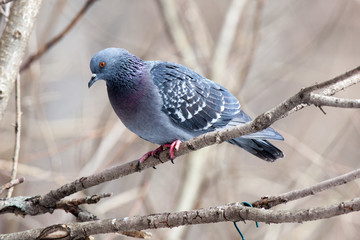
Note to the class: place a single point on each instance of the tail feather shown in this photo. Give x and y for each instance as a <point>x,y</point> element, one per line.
<point>258,147</point>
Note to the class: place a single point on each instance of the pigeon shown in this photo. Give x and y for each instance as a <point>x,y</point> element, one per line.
<point>166,103</point>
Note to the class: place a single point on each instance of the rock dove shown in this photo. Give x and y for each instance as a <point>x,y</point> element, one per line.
<point>166,103</point>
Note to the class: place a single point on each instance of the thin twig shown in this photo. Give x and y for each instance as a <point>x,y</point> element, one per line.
<point>57,38</point>
<point>3,2</point>
<point>73,206</point>
<point>11,184</point>
<point>226,38</point>
<point>199,33</point>
<point>176,32</point>
<point>66,203</point>
<point>17,134</point>
<point>321,100</point>
<point>271,201</point>
<point>248,63</point>
<point>343,81</point>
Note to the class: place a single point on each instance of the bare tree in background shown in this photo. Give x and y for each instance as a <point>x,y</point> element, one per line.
<point>264,52</point>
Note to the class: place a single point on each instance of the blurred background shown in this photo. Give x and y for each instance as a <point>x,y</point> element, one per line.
<point>262,51</point>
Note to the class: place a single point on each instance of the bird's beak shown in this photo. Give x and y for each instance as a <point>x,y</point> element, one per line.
<point>92,80</point>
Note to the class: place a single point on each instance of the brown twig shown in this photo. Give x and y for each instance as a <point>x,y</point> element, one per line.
<point>57,38</point>
<point>3,2</point>
<point>343,81</point>
<point>321,100</point>
<point>248,63</point>
<point>72,206</point>
<point>17,134</point>
<point>226,38</point>
<point>31,206</point>
<point>11,184</point>
<point>66,203</point>
<point>271,201</point>
<point>176,32</point>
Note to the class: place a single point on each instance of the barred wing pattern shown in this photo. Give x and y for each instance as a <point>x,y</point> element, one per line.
<point>192,101</point>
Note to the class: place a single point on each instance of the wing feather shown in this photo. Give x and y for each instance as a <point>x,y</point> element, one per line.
<point>192,101</point>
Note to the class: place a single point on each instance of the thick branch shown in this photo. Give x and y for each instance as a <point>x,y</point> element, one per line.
<point>12,45</point>
<point>226,213</point>
<point>31,205</point>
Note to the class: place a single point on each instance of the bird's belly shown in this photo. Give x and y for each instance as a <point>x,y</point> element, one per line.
<point>154,128</point>
<point>143,116</point>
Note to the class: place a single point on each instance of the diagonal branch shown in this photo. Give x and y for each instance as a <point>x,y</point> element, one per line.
<point>57,38</point>
<point>341,82</point>
<point>176,31</point>
<point>11,184</point>
<point>3,2</point>
<point>226,38</point>
<point>271,201</point>
<point>47,203</point>
<point>261,122</point>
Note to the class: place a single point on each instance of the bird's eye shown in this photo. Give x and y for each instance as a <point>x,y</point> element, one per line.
<point>102,64</point>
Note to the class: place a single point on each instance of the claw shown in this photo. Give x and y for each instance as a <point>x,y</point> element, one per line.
<point>174,146</point>
<point>151,153</point>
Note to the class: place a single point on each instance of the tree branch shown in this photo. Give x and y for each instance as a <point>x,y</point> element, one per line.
<point>3,2</point>
<point>57,38</point>
<point>227,213</point>
<point>31,205</point>
<point>343,81</point>
<point>47,203</point>
<point>11,184</point>
<point>321,100</point>
<point>176,31</point>
<point>271,201</point>
<point>17,134</point>
<point>226,38</point>
<point>12,44</point>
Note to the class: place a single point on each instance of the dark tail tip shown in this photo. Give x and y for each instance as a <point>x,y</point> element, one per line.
<point>260,148</point>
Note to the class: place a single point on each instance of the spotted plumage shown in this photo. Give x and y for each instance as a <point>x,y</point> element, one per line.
<point>164,102</point>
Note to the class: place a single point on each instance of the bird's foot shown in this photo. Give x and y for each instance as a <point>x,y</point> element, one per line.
<point>174,146</point>
<point>153,153</point>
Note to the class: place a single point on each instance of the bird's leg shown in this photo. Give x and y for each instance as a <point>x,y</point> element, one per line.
<point>175,145</point>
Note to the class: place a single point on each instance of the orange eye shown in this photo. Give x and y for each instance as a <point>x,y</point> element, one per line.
<point>102,64</point>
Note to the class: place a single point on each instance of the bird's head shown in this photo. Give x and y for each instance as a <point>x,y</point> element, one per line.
<point>117,67</point>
